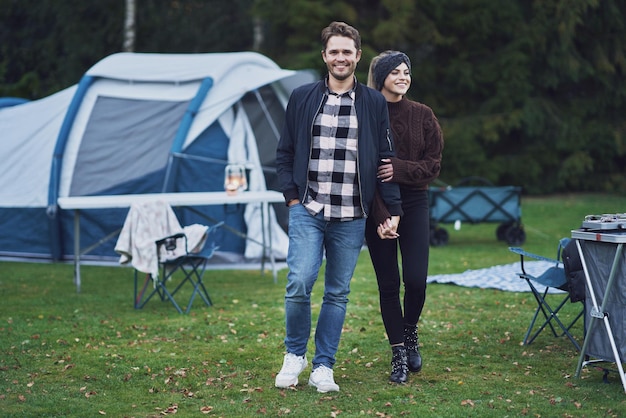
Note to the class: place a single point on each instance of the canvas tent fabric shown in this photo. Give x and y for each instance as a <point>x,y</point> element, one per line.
<point>143,123</point>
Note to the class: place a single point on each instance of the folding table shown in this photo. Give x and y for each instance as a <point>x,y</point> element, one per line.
<point>604,264</point>
<point>189,199</point>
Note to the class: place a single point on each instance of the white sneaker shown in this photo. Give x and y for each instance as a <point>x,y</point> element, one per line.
<point>322,379</point>
<point>292,367</point>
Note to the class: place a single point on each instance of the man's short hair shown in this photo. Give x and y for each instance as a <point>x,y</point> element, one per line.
<point>341,29</point>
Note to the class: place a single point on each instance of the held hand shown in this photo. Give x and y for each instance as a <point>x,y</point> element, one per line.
<point>385,170</point>
<point>387,229</point>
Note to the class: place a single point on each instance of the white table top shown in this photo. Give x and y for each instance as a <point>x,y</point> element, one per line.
<point>174,199</point>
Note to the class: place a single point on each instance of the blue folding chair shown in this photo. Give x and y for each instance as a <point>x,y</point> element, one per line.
<point>191,265</point>
<point>553,277</point>
<point>153,242</point>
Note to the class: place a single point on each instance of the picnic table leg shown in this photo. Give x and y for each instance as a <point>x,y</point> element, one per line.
<point>77,250</point>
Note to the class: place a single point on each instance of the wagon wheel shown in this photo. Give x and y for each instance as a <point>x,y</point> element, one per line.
<point>515,235</point>
<point>502,228</point>
<point>438,236</point>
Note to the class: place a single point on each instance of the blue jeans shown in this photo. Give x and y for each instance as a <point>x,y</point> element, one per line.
<point>309,236</point>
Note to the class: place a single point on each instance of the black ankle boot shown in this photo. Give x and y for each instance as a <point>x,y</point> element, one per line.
<point>399,368</point>
<point>411,344</point>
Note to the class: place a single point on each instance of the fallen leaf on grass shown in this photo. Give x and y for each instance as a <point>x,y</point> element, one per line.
<point>172,409</point>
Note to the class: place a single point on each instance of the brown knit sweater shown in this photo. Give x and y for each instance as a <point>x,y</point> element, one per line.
<point>418,140</point>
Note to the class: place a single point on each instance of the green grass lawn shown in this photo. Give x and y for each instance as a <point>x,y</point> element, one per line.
<point>64,354</point>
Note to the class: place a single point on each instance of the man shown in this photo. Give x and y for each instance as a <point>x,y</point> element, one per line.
<point>335,134</point>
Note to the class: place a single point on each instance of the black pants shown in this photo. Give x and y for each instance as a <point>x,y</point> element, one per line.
<point>414,231</point>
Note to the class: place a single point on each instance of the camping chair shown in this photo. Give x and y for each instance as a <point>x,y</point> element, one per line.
<point>158,246</point>
<point>192,266</point>
<point>553,277</point>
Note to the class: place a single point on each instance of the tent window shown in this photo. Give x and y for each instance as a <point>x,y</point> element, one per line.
<point>266,115</point>
<point>124,140</point>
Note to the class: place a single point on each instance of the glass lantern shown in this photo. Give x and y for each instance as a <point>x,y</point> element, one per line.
<point>235,179</point>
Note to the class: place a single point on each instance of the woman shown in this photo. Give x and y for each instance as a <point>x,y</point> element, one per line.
<point>418,142</point>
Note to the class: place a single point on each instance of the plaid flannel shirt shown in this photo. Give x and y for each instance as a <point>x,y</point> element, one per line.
<point>333,184</point>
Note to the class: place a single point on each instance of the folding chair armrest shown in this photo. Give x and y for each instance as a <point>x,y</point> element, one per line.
<point>170,242</point>
<point>523,253</point>
<point>175,236</point>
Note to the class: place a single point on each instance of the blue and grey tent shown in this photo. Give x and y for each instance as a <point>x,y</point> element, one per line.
<point>142,123</point>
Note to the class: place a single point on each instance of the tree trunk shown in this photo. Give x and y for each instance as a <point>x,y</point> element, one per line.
<point>258,34</point>
<point>129,27</point>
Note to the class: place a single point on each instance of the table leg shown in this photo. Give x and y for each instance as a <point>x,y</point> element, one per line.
<point>271,249</point>
<point>263,244</point>
<point>600,313</point>
<point>609,286</point>
<point>267,246</point>
<point>77,250</point>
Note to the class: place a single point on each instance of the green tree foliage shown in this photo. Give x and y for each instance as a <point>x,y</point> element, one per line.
<point>528,93</point>
<point>193,26</point>
<point>293,34</point>
<point>48,45</point>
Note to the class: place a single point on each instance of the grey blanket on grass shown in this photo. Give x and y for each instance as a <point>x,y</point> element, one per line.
<point>503,277</point>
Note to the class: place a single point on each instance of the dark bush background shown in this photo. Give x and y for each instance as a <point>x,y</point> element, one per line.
<point>528,93</point>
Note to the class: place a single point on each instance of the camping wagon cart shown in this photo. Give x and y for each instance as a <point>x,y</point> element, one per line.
<point>476,204</point>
